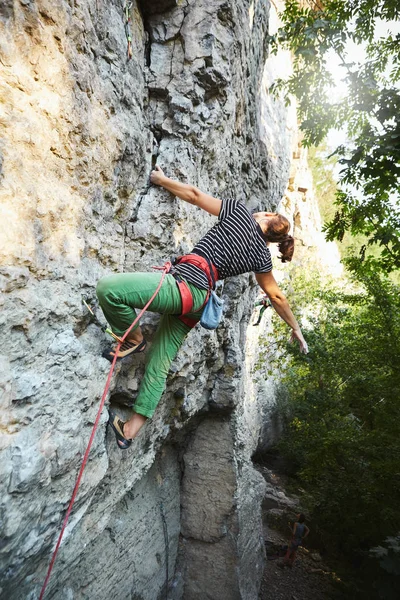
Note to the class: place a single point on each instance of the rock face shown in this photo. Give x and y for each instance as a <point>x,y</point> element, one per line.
<point>81,127</point>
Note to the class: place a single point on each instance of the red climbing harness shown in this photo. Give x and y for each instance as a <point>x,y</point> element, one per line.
<point>201,263</point>
<point>186,296</point>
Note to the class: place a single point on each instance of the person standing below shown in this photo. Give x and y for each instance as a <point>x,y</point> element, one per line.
<point>264,303</point>
<point>300,531</point>
<point>237,243</point>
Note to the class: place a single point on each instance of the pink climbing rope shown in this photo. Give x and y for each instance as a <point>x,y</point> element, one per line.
<point>165,269</point>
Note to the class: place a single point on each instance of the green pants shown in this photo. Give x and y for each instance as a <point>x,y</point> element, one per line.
<point>119,295</point>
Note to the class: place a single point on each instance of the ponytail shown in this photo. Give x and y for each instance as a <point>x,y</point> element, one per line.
<point>277,232</point>
<point>286,248</point>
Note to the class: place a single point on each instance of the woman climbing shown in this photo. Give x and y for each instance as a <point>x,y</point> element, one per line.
<point>237,243</point>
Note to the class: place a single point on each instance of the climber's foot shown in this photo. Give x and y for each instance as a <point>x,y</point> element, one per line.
<point>127,348</point>
<point>118,427</point>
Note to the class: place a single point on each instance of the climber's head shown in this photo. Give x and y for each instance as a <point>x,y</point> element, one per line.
<point>301,518</point>
<point>275,228</point>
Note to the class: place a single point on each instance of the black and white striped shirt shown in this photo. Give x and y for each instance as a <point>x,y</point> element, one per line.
<point>234,245</point>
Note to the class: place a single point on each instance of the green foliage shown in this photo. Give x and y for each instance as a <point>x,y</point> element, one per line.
<point>341,409</point>
<point>368,199</point>
<point>351,247</point>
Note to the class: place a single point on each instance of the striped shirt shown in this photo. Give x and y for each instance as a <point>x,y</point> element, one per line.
<point>234,245</point>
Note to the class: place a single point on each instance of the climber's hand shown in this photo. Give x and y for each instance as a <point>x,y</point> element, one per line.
<point>156,175</point>
<point>297,335</point>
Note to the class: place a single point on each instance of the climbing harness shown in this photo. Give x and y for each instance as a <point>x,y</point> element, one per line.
<point>201,262</point>
<point>128,21</point>
<point>205,265</point>
<point>165,270</point>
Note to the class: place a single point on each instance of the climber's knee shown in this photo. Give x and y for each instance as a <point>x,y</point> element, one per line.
<point>104,287</point>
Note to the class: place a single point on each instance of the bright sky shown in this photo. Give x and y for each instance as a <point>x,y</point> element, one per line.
<point>355,53</point>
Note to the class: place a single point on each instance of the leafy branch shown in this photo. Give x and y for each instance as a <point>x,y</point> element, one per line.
<point>367,199</point>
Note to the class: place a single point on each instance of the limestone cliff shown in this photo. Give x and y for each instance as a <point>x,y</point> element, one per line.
<point>81,127</point>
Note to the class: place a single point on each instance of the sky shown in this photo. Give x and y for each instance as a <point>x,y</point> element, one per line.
<point>357,54</point>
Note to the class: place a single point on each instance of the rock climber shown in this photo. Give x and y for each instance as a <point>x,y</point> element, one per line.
<point>299,532</point>
<point>237,243</point>
<point>265,303</point>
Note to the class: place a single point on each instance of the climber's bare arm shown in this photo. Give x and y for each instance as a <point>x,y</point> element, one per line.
<point>278,300</point>
<point>187,192</point>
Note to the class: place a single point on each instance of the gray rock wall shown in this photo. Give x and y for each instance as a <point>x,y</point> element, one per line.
<point>81,128</point>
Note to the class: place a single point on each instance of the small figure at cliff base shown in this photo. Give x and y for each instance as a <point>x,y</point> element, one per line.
<point>265,303</point>
<point>299,533</point>
<point>237,243</point>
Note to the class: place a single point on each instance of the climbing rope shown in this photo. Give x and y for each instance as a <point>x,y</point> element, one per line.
<point>128,21</point>
<point>165,270</point>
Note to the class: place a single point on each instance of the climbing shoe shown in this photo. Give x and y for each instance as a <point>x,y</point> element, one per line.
<point>118,428</point>
<point>127,348</point>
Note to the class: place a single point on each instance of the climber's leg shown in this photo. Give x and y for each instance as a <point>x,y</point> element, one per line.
<point>131,428</point>
<point>262,311</point>
<point>292,558</point>
<point>290,555</point>
<point>168,339</point>
<point>120,294</point>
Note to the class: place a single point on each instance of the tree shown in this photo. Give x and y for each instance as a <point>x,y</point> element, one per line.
<point>367,199</point>
<point>341,410</point>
